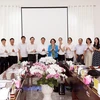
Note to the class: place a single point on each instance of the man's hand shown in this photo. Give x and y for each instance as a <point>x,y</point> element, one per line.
<point>43,49</point>
<point>59,46</point>
<point>82,57</point>
<point>13,50</point>
<point>76,56</point>
<point>20,57</point>
<point>6,51</point>
<point>34,50</point>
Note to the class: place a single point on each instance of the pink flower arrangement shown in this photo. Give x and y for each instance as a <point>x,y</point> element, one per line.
<point>47,74</point>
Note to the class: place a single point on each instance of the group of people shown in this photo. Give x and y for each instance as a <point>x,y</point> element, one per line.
<point>87,54</point>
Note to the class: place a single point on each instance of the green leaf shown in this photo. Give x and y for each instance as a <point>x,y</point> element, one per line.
<point>51,82</point>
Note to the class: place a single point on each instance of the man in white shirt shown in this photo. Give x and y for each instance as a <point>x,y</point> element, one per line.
<point>3,56</point>
<point>23,54</point>
<point>69,50</point>
<point>42,49</point>
<point>13,50</point>
<point>80,51</point>
<point>31,48</point>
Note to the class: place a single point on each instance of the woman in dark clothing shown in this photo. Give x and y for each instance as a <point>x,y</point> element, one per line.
<point>96,54</point>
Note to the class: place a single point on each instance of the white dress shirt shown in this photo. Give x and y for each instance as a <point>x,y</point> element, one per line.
<point>60,51</point>
<point>2,51</point>
<point>13,47</point>
<point>70,53</point>
<point>80,49</point>
<point>40,48</point>
<point>23,49</point>
<point>30,48</point>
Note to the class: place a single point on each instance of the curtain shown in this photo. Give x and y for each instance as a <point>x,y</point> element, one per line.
<point>81,22</point>
<point>10,22</point>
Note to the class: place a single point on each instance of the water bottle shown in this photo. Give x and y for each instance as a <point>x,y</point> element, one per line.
<point>61,88</point>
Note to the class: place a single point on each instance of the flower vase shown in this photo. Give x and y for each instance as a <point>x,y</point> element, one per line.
<point>47,91</point>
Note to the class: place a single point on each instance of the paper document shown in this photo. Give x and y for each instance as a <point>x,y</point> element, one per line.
<point>2,85</point>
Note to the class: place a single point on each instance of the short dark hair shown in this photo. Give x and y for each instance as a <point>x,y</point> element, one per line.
<point>3,39</point>
<point>11,39</point>
<point>80,39</point>
<point>23,37</point>
<point>53,39</point>
<point>32,37</point>
<point>89,40</point>
<point>70,39</point>
<point>60,38</point>
<point>42,38</point>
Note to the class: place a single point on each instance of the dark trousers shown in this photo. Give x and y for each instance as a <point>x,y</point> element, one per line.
<point>3,64</point>
<point>24,59</point>
<point>32,58</point>
<point>69,59</point>
<point>12,60</point>
<point>61,57</point>
<point>79,59</point>
<point>40,56</point>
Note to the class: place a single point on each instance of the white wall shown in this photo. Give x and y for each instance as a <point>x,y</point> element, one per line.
<point>35,3</point>
<point>45,22</point>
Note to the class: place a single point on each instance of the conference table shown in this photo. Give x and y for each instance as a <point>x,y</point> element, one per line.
<point>9,78</point>
<point>28,93</point>
<point>80,91</point>
<point>27,81</point>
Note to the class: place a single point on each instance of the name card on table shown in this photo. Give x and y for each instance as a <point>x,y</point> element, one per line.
<point>99,88</point>
<point>82,73</point>
<point>96,82</point>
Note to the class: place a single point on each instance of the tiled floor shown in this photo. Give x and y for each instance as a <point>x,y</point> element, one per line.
<point>37,95</point>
